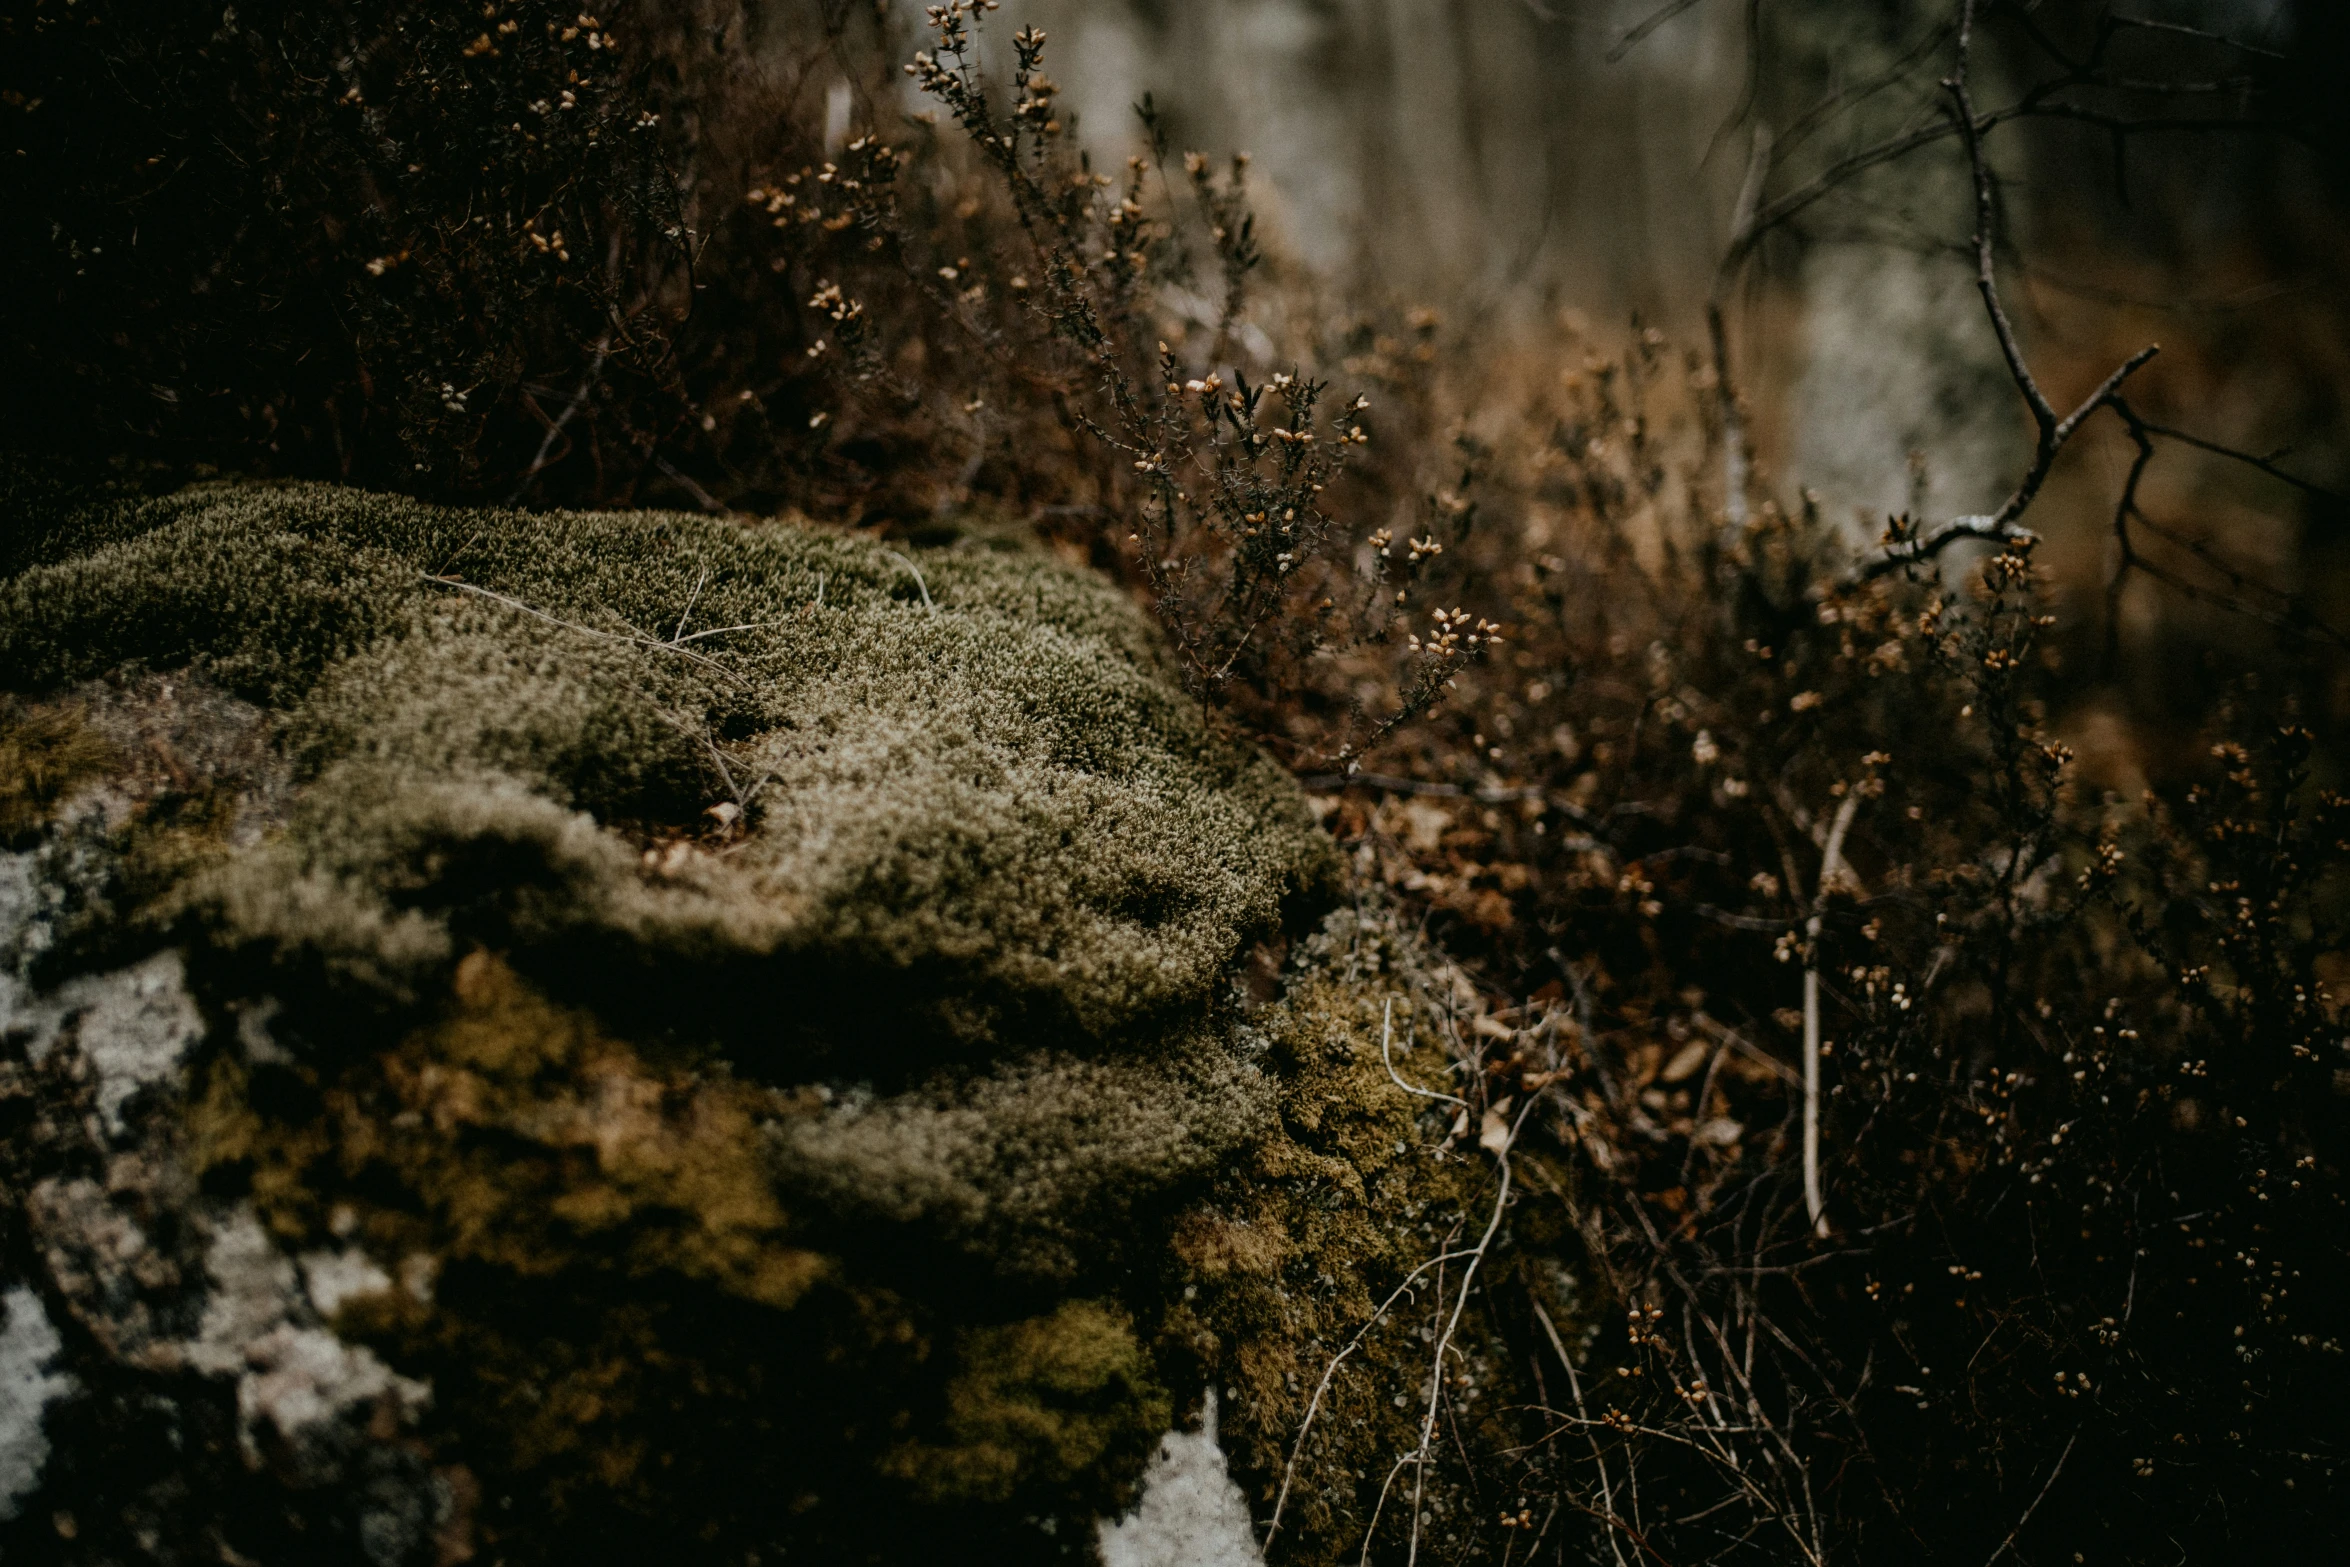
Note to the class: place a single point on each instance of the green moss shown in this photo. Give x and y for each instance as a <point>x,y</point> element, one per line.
<point>517,1136</point>
<point>766,1166</point>
<point>1040,1406</point>
<point>592,1254</point>
<point>1293,1255</point>
<point>1040,1165</point>
<point>985,816</point>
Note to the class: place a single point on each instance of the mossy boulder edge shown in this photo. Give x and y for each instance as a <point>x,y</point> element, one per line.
<point>966,800</point>
<point>685,1030</point>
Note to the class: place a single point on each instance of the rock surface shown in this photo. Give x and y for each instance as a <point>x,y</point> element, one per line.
<point>1190,1513</point>
<point>578,1037</point>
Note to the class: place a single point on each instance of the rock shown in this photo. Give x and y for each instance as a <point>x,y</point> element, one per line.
<point>1190,1513</point>
<point>135,1027</point>
<point>29,1383</point>
<point>558,1037</point>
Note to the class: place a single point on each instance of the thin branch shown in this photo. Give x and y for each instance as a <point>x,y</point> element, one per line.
<point>916,571</point>
<point>685,481</point>
<point>2123,509</point>
<point>631,639</point>
<point>555,430</point>
<point>2294,615</point>
<point>1386,1035</point>
<point>1607,1492</point>
<point>691,599</point>
<point>1460,1304</point>
<point>2265,465</point>
<point>1649,24</point>
<point>1330,1371</point>
<point>2053,1472</point>
<point>1905,546</point>
<point>2222,39</point>
<point>1831,862</point>
<point>1734,461</point>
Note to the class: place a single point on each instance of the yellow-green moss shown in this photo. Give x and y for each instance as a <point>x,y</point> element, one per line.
<point>514,1134</point>
<point>1040,1403</point>
<point>1296,1251</point>
<point>589,1249</point>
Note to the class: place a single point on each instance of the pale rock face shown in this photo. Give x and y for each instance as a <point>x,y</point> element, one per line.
<point>301,1391</point>
<point>29,1384</point>
<point>134,1026</point>
<point>1191,1514</point>
<point>334,1277</point>
<point>24,899</point>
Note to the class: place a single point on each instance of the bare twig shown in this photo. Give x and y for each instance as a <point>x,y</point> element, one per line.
<point>2292,615</point>
<point>2045,1485</point>
<point>1734,469</point>
<point>1905,546</point>
<point>1908,544</point>
<point>916,572</point>
<point>691,599</point>
<point>1460,1304</point>
<point>1386,1059</point>
<point>685,481</point>
<point>1330,1371</point>
<point>1649,24</point>
<point>554,433</point>
<point>2195,32</point>
<point>1831,862</point>
<point>1607,1492</point>
<point>719,631</point>
<point>629,639</point>
<point>2265,465</point>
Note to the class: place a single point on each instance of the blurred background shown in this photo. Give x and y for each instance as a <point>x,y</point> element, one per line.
<point>248,242</point>
<point>1506,158</point>
<point>1519,164</point>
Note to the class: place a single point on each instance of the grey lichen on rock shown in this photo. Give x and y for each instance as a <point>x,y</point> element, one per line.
<point>571,1035</point>
<point>29,1383</point>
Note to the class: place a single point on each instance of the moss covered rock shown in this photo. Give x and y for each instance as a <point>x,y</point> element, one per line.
<point>963,803</point>
<point>696,1035</point>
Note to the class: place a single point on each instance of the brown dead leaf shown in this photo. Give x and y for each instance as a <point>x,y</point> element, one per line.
<point>1686,1061</point>
<point>1494,1135</point>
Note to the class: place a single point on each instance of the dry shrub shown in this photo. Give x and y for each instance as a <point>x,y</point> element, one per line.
<point>2076,1283</point>
<point>470,252</point>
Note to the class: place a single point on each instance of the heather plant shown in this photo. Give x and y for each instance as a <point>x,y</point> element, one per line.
<point>494,253</point>
<point>1741,817</point>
